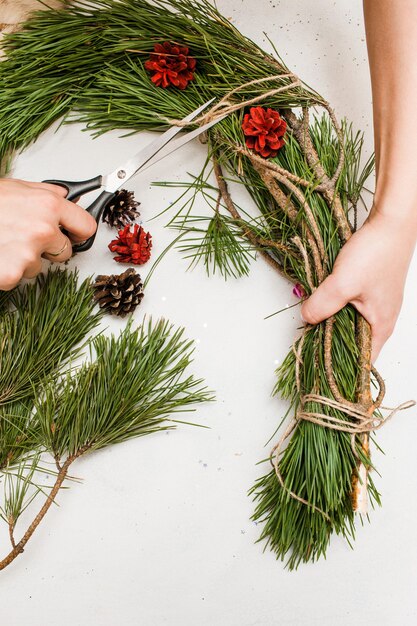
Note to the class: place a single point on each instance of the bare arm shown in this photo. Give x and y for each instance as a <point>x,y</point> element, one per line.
<point>391,34</point>
<point>371,269</point>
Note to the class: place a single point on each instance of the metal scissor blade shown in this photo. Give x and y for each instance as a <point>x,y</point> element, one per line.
<point>178,143</point>
<point>126,170</point>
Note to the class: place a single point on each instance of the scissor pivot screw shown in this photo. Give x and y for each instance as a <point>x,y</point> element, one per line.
<point>121,174</point>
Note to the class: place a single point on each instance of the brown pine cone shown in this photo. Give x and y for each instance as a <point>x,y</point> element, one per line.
<point>119,294</point>
<point>121,210</point>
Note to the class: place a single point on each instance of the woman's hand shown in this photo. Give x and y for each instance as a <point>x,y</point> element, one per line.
<point>30,218</point>
<point>370,273</point>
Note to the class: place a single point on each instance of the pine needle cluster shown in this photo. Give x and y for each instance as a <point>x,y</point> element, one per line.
<point>52,411</point>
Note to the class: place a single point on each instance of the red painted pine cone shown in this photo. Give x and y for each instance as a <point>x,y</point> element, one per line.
<point>170,64</point>
<point>132,246</point>
<point>264,130</point>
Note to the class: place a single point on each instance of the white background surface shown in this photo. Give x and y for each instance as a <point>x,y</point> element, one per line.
<point>160,531</point>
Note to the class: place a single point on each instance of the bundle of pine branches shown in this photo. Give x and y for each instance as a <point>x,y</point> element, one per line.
<point>88,64</point>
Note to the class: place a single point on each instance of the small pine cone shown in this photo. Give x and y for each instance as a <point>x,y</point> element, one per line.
<point>171,65</point>
<point>264,131</point>
<point>119,294</point>
<point>121,210</point>
<point>132,246</point>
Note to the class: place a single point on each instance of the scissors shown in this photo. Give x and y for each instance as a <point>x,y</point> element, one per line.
<point>115,180</point>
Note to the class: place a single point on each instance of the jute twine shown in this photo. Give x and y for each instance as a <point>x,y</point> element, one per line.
<point>364,421</point>
<point>225,106</point>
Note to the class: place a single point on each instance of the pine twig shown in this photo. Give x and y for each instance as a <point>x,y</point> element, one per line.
<point>327,186</point>
<point>19,547</point>
<point>270,181</point>
<point>11,531</point>
<point>249,234</point>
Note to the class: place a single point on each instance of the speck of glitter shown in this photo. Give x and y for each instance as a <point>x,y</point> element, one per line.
<point>163,298</point>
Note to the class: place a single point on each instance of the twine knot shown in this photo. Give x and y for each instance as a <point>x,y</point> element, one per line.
<point>364,420</point>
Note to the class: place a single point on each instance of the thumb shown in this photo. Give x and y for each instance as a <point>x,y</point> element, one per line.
<point>324,302</point>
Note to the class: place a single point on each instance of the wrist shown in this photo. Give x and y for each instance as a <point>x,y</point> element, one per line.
<point>396,202</point>
<point>396,198</point>
<point>400,220</point>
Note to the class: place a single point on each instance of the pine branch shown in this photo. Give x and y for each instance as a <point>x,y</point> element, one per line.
<point>132,386</point>
<point>130,389</point>
<point>49,319</point>
<point>20,546</point>
<point>216,242</point>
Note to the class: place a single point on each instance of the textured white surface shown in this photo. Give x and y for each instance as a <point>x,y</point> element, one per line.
<point>159,533</point>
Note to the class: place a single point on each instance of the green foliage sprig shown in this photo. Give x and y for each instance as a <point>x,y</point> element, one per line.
<point>131,386</point>
<point>43,329</point>
<point>134,383</point>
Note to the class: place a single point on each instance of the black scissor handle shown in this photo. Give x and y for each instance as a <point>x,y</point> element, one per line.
<point>76,189</point>
<point>95,209</point>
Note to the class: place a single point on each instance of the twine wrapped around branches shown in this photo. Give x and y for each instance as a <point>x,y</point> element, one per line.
<point>226,106</point>
<point>364,421</point>
<point>364,418</point>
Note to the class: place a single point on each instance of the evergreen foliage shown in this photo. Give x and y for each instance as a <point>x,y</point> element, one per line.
<point>87,65</point>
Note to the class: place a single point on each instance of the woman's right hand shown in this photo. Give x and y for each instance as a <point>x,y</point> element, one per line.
<point>30,218</point>
<point>370,273</point>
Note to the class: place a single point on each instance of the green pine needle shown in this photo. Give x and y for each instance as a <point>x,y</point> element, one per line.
<point>131,388</point>
<point>132,385</point>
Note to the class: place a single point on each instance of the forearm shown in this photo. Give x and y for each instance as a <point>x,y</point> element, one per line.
<point>371,268</point>
<point>391,31</point>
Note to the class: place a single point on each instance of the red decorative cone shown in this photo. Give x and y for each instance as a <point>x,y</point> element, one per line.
<point>132,247</point>
<point>264,130</point>
<point>171,65</point>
